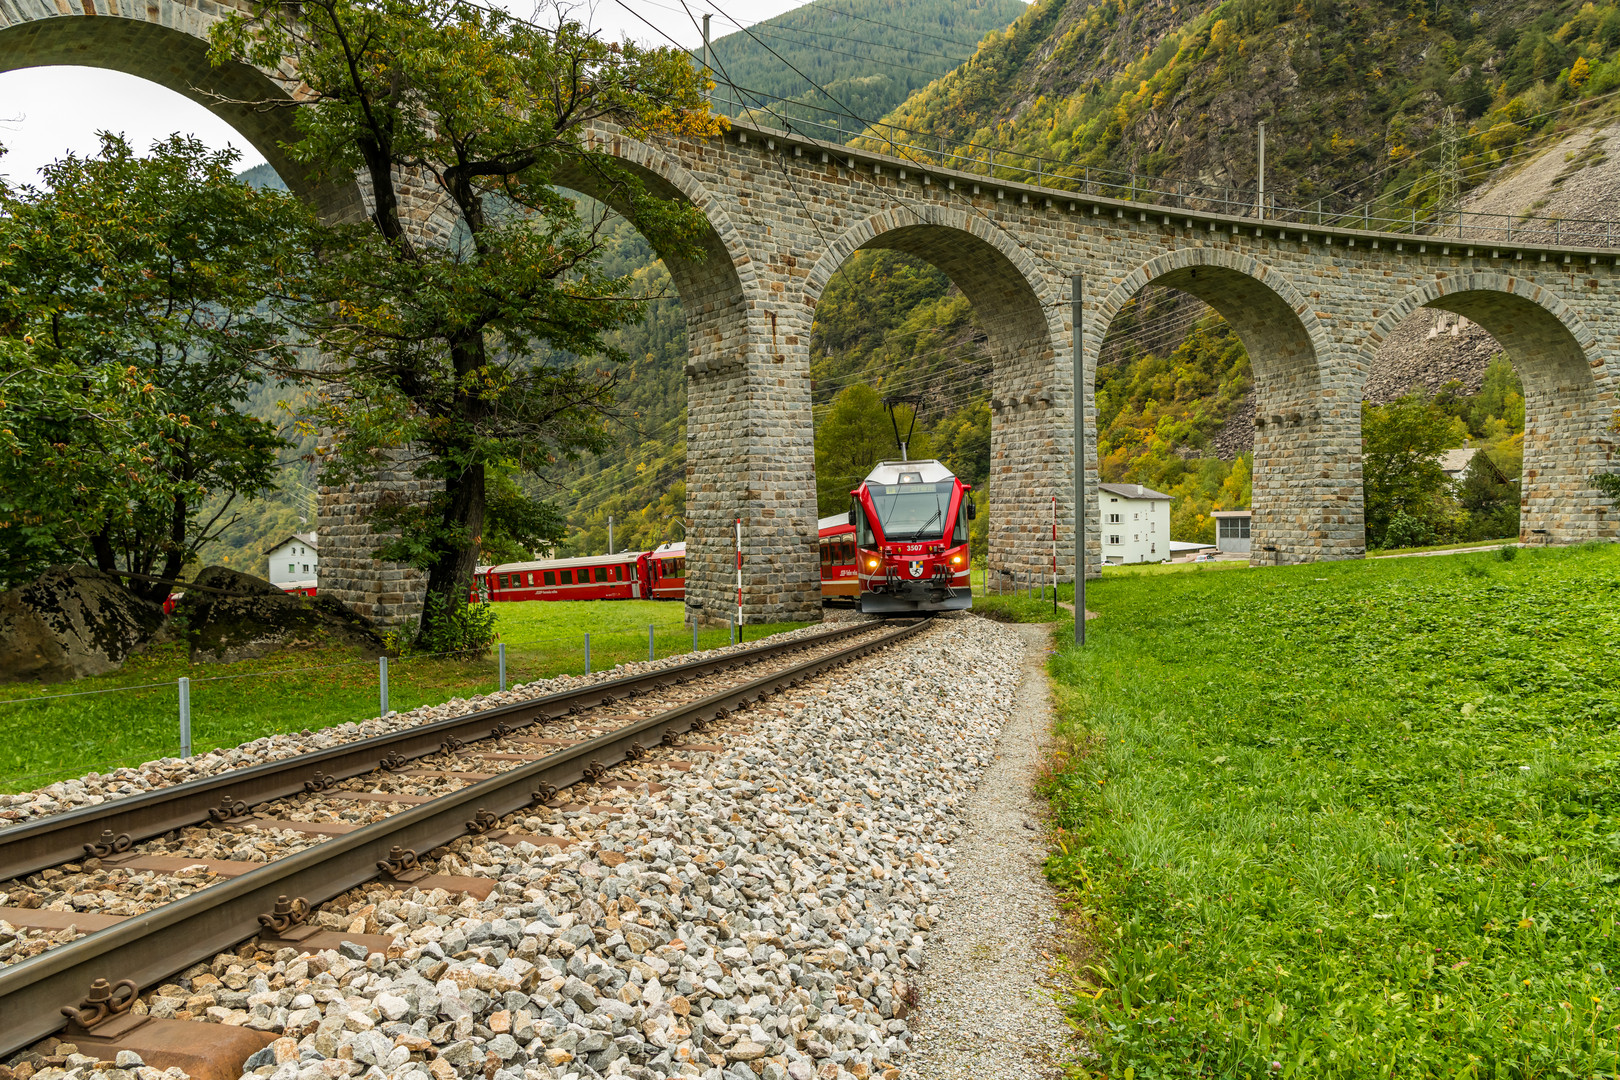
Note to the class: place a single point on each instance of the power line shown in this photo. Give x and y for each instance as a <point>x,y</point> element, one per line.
<point>779,28</point>
<point>892,26</point>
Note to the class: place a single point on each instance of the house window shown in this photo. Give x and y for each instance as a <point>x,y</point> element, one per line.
<point>1136,517</point>
<point>306,568</point>
<point>292,568</point>
<point>1234,528</point>
<point>1113,519</point>
<point>1113,539</point>
<point>1153,526</point>
<point>1153,549</point>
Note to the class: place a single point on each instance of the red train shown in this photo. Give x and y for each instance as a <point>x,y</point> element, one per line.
<point>659,574</point>
<point>911,538</point>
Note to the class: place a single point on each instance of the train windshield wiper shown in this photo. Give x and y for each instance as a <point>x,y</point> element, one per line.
<point>924,527</point>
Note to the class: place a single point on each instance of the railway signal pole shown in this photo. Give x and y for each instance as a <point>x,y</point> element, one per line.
<point>1077,284</point>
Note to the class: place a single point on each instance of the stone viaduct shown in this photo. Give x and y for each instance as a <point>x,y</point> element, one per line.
<point>785,212</point>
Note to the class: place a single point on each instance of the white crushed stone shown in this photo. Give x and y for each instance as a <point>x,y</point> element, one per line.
<point>96,788</point>
<point>763,918</point>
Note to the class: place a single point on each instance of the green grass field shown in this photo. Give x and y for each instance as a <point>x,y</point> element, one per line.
<point>1347,819</point>
<point>45,738</point>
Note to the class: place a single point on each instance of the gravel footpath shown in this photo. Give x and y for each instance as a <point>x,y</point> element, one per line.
<point>985,1013</point>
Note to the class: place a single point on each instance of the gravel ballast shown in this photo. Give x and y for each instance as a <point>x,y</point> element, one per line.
<point>94,789</point>
<point>774,909</point>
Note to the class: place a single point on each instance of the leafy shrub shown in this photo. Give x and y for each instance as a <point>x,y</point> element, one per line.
<point>1507,553</point>
<point>1406,531</point>
<point>467,631</point>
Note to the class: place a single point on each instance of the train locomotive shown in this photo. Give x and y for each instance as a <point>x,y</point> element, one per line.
<point>911,538</point>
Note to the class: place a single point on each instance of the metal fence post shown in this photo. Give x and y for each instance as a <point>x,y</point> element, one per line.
<point>185,717</point>
<point>500,651</point>
<point>650,655</point>
<point>382,685</point>
<point>587,652</point>
<point>732,624</point>
<point>694,635</point>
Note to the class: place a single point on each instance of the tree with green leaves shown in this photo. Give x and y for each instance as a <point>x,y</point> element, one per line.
<point>430,349</point>
<point>131,292</point>
<point>1404,489</point>
<point>854,434</point>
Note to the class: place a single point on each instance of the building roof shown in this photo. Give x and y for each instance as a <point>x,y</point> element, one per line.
<point>310,539</point>
<point>1453,462</point>
<point>1178,546</point>
<point>1230,513</point>
<point>1132,491</point>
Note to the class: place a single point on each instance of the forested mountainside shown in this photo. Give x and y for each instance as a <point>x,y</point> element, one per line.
<point>1352,92</point>
<point>840,63</point>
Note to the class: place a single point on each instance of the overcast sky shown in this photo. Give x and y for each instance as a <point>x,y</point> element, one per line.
<point>47,112</point>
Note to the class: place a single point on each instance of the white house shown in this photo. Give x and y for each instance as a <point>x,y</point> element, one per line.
<point>1135,524</point>
<point>294,560</point>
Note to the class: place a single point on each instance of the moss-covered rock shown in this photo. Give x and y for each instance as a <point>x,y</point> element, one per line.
<point>249,617</point>
<point>71,622</point>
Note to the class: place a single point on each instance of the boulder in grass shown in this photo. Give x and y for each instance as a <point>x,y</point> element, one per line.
<point>71,622</point>
<point>228,616</point>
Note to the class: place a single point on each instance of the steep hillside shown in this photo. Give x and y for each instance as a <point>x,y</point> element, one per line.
<point>1352,94</point>
<point>867,55</point>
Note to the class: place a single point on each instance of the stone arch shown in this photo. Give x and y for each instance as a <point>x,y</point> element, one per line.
<point>729,331</point>
<point>1307,464</point>
<point>166,42</point>
<point>1569,395</point>
<point>1032,394</point>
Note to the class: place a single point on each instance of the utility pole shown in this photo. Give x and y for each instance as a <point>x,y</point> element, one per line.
<point>1077,284</point>
<point>610,534</point>
<point>1448,197</point>
<point>1260,200</point>
<point>706,59</point>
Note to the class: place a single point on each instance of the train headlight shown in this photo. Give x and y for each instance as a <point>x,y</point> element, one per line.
<point>871,564</point>
<point>956,560</point>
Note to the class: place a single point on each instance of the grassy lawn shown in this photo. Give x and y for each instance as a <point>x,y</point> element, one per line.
<point>43,739</point>
<point>1347,819</point>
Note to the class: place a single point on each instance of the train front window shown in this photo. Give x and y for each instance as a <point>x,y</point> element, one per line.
<point>911,512</point>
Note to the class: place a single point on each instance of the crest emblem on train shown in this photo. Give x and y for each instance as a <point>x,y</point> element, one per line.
<point>916,568</point>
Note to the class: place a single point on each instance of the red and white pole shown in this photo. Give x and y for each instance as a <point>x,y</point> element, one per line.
<point>739,573</point>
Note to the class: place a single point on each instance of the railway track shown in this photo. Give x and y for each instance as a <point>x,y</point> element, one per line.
<point>339,817</point>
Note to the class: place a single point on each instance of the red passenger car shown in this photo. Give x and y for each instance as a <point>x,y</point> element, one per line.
<point>839,578</point>
<point>665,571</point>
<point>594,577</point>
<point>911,538</point>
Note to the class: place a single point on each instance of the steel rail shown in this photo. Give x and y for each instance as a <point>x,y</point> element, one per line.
<point>60,838</point>
<point>149,947</point>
